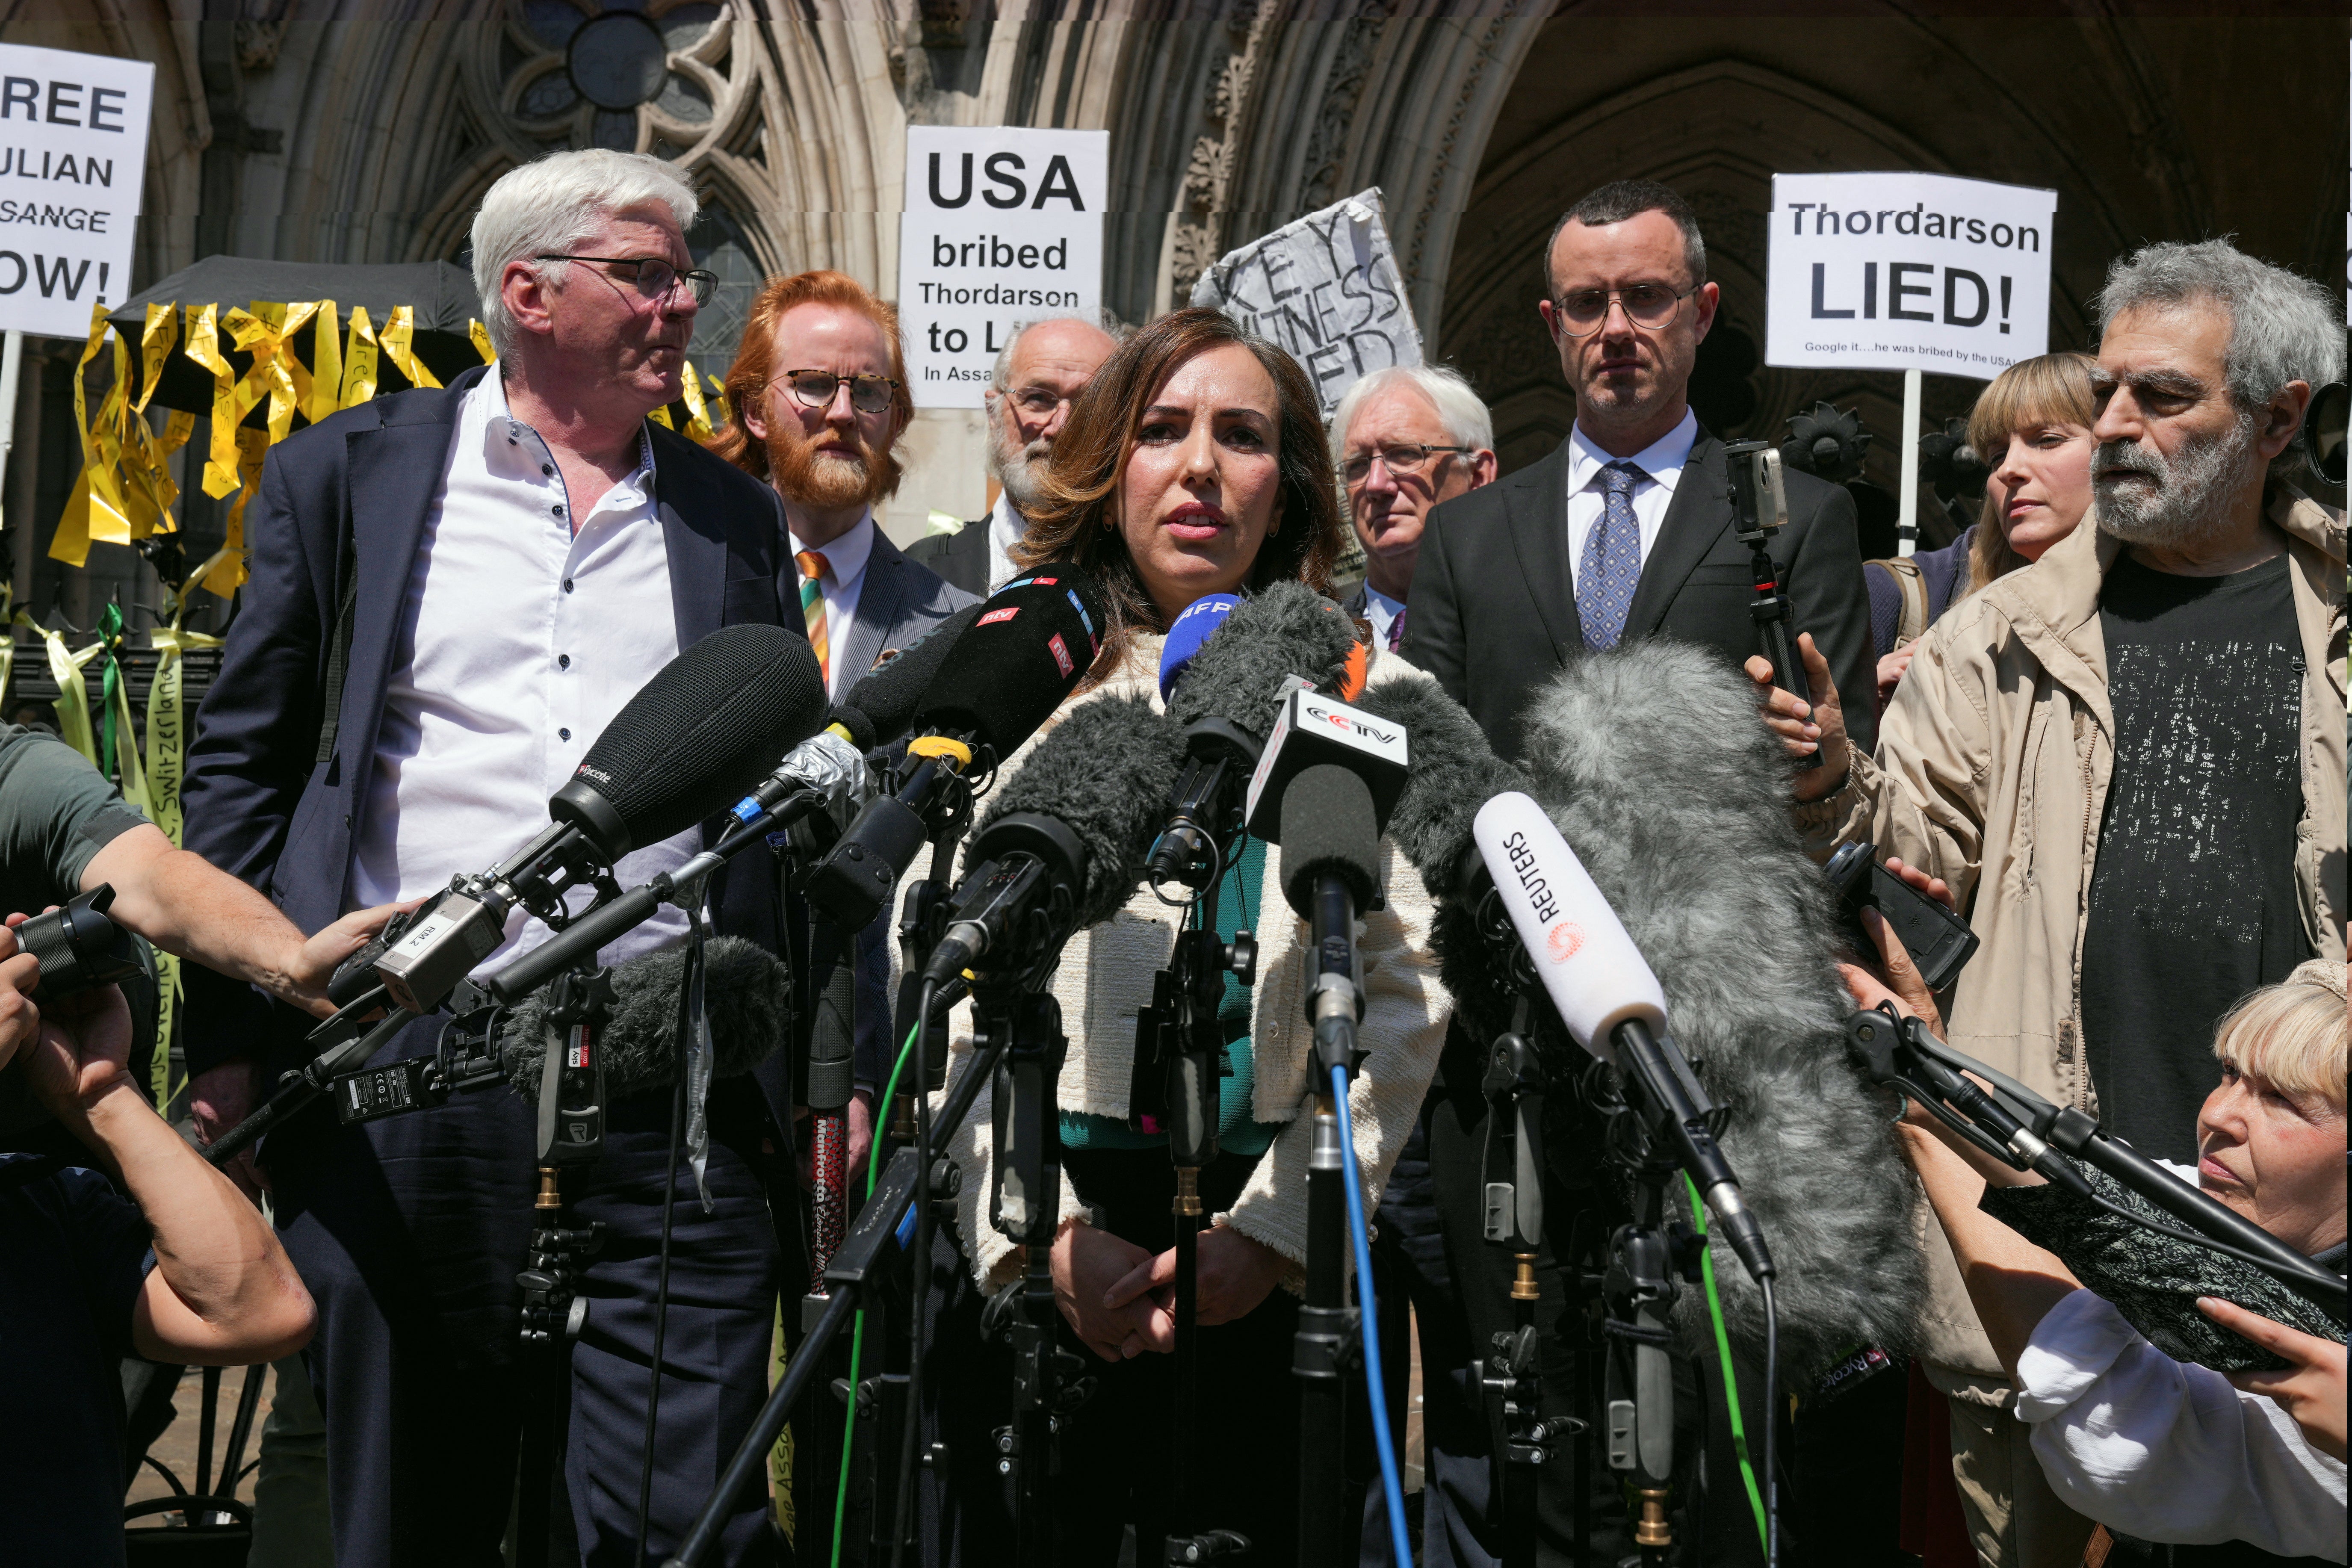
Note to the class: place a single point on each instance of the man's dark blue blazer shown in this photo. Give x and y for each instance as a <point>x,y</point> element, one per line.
<point>259,802</point>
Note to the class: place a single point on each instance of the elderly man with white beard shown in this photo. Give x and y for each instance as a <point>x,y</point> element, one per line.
<point>1039,372</point>
<point>2126,764</point>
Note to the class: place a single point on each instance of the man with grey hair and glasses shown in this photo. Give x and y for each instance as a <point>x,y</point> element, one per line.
<point>1403,439</point>
<point>2126,764</point>
<point>453,593</point>
<point>1042,366</point>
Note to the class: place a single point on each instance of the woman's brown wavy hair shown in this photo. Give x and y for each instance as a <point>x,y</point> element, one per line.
<point>1077,520</point>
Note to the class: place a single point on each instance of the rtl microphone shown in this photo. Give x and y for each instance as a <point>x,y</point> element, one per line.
<point>1026,650</point>
<point>1063,846</point>
<point>1608,998</point>
<point>692,739</point>
<point>878,709</point>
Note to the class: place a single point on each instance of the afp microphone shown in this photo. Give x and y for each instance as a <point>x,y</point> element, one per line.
<point>1025,652</point>
<point>1611,1003</point>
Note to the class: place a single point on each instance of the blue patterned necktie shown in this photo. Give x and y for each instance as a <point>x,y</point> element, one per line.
<point>1611,564</point>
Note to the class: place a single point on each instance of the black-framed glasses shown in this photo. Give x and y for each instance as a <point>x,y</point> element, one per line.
<point>817,389</point>
<point>1403,457</point>
<point>1651,305</point>
<point>653,276</point>
<point>1037,401</point>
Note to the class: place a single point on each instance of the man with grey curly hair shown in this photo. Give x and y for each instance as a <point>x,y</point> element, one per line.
<point>454,591</point>
<point>2126,765</point>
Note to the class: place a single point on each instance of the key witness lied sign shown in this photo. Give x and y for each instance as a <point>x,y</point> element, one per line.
<point>1003,226</point>
<point>1908,272</point>
<point>73,150</point>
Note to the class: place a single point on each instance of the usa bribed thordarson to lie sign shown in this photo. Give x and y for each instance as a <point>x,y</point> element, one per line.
<point>1003,225</point>
<point>1908,272</point>
<point>73,149</point>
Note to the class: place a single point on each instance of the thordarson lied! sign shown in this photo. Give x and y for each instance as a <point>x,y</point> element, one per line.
<point>73,148</point>
<point>1003,226</point>
<point>1908,272</point>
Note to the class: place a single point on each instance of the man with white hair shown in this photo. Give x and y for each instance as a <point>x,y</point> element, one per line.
<point>1042,367</point>
<point>2126,764</point>
<point>453,591</point>
<point>1404,439</point>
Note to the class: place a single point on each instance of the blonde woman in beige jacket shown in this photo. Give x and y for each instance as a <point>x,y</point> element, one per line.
<point>1995,758</point>
<point>1193,464</point>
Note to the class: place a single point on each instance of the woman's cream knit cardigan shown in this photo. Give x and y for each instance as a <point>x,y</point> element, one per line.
<point>1106,974</point>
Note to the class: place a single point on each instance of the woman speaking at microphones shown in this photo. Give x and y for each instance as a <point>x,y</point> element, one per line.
<point>1194,464</point>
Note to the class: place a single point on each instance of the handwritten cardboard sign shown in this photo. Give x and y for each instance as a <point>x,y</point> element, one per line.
<point>1326,288</point>
<point>1908,272</point>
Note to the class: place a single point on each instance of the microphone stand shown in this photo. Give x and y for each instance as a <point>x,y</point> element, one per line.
<point>1638,1294</point>
<point>1512,1375</point>
<point>1323,1352</point>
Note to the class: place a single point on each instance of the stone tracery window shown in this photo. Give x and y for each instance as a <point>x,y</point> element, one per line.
<point>609,73</point>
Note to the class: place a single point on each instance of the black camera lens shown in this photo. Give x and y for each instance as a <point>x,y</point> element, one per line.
<point>78,947</point>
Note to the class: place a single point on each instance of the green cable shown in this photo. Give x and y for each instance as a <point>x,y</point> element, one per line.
<point>1723,1347</point>
<point>857,1329</point>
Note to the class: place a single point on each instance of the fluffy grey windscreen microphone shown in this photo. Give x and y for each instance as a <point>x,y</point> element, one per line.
<point>1451,772</point>
<point>1283,629</point>
<point>1654,764</point>
<point>1105,772</point>
<point>746,989</point>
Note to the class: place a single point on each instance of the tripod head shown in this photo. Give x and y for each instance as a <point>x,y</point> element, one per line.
<point>1759,501</point>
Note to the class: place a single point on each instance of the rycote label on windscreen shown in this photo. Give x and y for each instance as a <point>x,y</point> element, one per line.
<point>1003,226</point>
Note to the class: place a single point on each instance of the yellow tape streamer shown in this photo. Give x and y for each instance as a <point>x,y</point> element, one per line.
<point>7,638</point>
<point>73,697</point>
<point>267,333</point>
<point>166,766</point>
<point>204,347</point>
<point>359,361</point>
<point>722,412</point>
<point>482,344</point>
<point>396,337</point>
<point>661,417</point>
<point>224,572</point>
<point>96,508</point>
<point>697,420</point>
<point>326,366</point>
<point>155,344</point>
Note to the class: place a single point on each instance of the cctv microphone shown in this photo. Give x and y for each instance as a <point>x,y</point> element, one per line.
<point>1330,871</point>
<point>694,737</point>
<point>1608,998</point>
<point>1066,833</point>
<point>1025,652</point>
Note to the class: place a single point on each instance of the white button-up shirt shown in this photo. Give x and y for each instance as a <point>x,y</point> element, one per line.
<point>844,581</point>
<point>1007,528</point>
<point>519,639</point>
<point>1662,461</point>
<point>1381,611</point>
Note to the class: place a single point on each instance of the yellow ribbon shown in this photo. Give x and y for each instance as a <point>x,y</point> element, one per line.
<point>267,331</point>
<point>96,508</point>
<point>397,336</point>
<point>482,344</point>
<point>722,412</point>
<point>359,361</point>
<point>166,766</point>
<point>224,572</point>
<point>204,347</point>
<point>73,697</point>
<point>155,342</point>
<point>326,366</point>
<point>697,417</point>
<point>661,417</point>
<point>7,638</point>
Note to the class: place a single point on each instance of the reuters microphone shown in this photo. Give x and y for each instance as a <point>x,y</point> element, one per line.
<point>1607,997</point>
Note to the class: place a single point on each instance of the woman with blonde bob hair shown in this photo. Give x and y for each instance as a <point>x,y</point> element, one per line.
<point>1194,463</point>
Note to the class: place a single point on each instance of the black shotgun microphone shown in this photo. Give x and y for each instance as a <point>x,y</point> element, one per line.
<point>1031,644</point>
<point>707,727</point>
<point>878,709</point>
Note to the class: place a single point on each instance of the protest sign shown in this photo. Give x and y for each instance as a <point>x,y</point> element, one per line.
<point>1908,272</point>
<point>1326,288</point>
<point>1003,225</point>
<point>73,151</point>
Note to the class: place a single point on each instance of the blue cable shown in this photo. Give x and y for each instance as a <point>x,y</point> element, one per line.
<point>1392,1483</point>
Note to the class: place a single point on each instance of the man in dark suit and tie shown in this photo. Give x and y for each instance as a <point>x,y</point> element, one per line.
<point>453,591</point>
<point>1624,531</point>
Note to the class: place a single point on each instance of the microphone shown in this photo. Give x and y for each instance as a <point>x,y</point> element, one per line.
<point>878,710</point>
<point>747,996</point>
<point>1609,999</point>
<point>1451,773</point>
<point>694,737</point>
<point>1026,650</point>
<point>1331,869</point>
<point>1066,835</point>
<point>1224,667</point>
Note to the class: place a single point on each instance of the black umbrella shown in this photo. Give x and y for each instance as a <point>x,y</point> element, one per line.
<point>439,293</point>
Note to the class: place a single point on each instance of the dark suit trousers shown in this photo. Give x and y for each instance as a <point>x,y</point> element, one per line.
<point>1713,1521</point>
<point>409,1233</point>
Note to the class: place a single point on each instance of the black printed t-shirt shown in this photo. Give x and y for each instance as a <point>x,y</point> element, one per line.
<point>2192,894</point>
